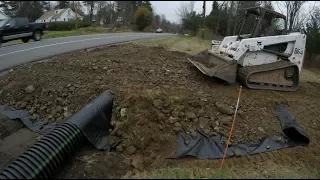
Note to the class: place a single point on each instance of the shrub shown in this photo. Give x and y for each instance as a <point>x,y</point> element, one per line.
<point>67,26</point>
<point>143,18</point>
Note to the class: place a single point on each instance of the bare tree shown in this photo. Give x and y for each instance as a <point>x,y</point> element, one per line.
<point>91,5</point>
<point>219,15</point>
<point>292,11</point>
<point>230,18</point>
<point>100,13</point>
<point>185,8</point>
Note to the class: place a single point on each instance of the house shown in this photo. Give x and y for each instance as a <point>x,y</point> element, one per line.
<point>3,16</point>
<point>58,15</point>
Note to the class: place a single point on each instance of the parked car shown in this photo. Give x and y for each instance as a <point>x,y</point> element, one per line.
<point>20,28</point>
<point>159,30</point>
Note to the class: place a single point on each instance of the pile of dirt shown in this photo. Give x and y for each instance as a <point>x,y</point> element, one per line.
<point>157,94</point>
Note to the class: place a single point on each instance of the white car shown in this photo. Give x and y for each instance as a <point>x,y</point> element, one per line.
<point>159,30</point>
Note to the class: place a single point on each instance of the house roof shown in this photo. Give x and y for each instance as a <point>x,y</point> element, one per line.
<point>53,15</point>
<point>59,14</point>
<point>46,15</point>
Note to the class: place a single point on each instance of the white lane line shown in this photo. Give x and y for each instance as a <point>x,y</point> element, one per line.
<point>64,43</point>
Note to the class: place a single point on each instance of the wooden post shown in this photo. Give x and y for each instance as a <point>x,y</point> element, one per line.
<point>203,18</point>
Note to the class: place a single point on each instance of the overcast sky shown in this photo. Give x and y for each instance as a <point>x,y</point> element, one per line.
<point>168,7</point>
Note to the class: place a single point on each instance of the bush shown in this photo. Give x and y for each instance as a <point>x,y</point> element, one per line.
<point>143,18</point>
<point>67,26</point>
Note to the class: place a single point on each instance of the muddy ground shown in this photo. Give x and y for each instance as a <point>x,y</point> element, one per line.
<point>157,94</point>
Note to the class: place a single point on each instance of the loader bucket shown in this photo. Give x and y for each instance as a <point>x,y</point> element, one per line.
<point>214,66</point>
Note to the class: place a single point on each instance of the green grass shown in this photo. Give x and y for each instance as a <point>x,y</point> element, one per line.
<point>188,44</point>
<point>83,31</point>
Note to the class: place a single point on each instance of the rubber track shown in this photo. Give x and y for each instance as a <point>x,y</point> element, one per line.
<point>245,72</point>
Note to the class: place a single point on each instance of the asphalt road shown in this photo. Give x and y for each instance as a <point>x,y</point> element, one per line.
<point>13,55</point>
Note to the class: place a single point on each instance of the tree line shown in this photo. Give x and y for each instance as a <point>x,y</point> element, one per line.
<point>139,13</point>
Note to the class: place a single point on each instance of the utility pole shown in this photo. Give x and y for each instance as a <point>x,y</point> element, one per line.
<point>75,9</point>
<point>203,18</point>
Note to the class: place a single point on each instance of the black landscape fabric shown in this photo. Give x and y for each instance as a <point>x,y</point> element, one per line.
<point>93,120</point>
<point>212,147</point>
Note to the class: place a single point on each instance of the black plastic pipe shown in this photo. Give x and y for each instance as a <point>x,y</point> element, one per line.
<point>47,155</point>
<point>92,122</point>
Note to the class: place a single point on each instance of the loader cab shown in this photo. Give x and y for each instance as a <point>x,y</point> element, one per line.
<point>260,22</point>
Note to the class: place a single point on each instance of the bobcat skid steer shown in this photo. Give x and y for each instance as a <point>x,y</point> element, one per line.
<point>262,56</point>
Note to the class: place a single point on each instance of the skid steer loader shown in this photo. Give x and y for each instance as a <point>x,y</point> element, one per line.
<point>261,56</point>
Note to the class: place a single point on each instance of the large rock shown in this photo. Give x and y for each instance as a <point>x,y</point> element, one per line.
<point>223,108</point>
<point>131,150</point>
<point>123,112</point>
<point>119,148</point>
<point>190,115</point>
<point>201,113</point>
<point>203,122</point>
<point>157,103</point>
<point>29,89</point>
<point>226,120</point>
<point>137,162</point>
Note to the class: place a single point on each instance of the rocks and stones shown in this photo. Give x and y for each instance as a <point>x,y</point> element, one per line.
<point>123,112</point>
<point>201,113</point>
<point>204,99</point>
<point>172,119</point>
<point>161,127</point>
<point>237,152</point>
<point>42,108</point>
<point>29,89</point>
<point>206,131</point>
<point>131,150</point>
<point>279,139</point>
<point>119,148</point>
<point>31,111</point>
<point>223,108</point>
<point>195,120</point>
<point>119,133</point>
<point>66,114</point>
<point>177,124</point>
<point>157,103</point>
<point>23,105</point>
<point>213,134</point>
<point>190,115</point>
<point>194,133</point>
<point>137,162</point>
<point>166,103</point>
<point>177,129</point>
<point>268,147</point>
<point>175,113</point>
<point>203,122</point>
<point>186,141</point>
<point>226,120</point>
<point>261,129</point>
<point>33,117</point>
<point>216,129</point>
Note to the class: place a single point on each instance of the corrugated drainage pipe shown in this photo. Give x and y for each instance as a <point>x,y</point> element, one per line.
<point>47,155</point>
